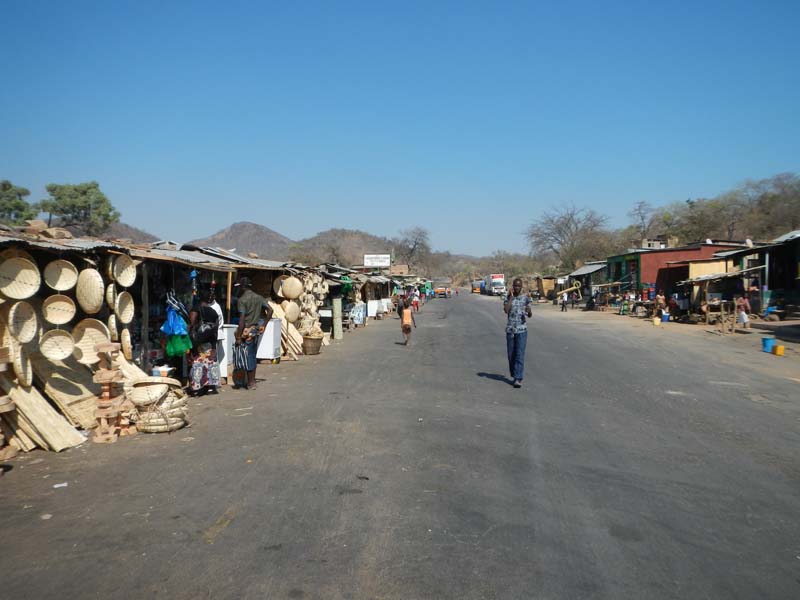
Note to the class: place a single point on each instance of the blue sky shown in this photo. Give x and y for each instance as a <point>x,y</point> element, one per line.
<point>467,118</point>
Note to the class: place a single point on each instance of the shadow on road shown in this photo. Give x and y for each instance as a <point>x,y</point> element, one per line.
<point>495,377</point>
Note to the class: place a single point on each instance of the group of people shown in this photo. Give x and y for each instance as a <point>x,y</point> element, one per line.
<point>206,334</point>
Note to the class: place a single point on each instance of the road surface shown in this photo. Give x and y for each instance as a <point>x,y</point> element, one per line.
<point>633,463</point>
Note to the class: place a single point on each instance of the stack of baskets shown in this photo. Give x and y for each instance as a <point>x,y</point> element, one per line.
<point>161,405</point>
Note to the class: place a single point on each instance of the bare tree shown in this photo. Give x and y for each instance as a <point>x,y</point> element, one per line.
<point>413,246</point>
<point>641,215</point>
<point>571,234</point>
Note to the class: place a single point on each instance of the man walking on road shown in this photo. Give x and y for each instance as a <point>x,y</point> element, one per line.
<point>518,309</point>
<point>564,302</point>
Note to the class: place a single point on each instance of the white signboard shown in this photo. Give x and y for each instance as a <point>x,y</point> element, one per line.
<point>377,260</point>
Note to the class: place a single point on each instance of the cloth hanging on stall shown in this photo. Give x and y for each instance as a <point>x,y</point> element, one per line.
<point>177,333</point>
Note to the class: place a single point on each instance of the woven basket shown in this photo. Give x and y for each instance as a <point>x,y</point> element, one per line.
<point>19,278</point>
<point>87,334</point>
<point>149,391</point>
<point>61,275</point>
<point>16,253</point>
<point>124,307</point>
<point>291,309</point>
<point>22,364</point>
<point>127,347</point>
<point>57,344</point>
<point>22,322</point>
<point>277,284</point>
<point>90,291</point>
<point>111,295</point>
<point>124,270</point>
<point>291,288</point>
<point>113,332</point>
<point>58,309</point>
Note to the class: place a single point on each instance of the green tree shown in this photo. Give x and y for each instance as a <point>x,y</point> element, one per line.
<point>81,205</point>
<point>14,209</point>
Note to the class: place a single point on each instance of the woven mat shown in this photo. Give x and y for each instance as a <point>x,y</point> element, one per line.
<point>69,385</point>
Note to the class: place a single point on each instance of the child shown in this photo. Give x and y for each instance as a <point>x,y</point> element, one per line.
<point>406,319</point>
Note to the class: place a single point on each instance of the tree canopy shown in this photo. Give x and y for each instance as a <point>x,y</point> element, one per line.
<point>14,209</point>
<point>80,205</point>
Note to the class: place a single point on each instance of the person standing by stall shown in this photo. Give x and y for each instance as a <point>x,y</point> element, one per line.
<point>204,325</point>
<point>251,309</point>
<point>518,309</point>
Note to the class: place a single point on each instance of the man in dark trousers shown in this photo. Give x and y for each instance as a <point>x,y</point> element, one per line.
<point>253,311</point>
<point>518,309</point>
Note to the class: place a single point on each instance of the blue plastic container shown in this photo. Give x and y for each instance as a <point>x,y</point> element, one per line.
<point>767,344</point>
<point>664,317</point>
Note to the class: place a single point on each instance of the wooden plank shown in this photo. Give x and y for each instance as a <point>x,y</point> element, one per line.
<point>69,385</point>
<point>15,436</point>
<point>52,428</point>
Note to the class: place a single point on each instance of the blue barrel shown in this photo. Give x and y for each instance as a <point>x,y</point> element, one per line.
<point>665,317</point>
<point>767,344</point>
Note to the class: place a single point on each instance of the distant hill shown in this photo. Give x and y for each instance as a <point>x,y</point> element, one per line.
<point>123,231</point>
<point>345,246</point>
<point>250,237</point>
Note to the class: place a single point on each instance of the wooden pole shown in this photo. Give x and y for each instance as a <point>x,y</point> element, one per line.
<point>228,295</point>
<point>338,334</point>
<point>145,319</point>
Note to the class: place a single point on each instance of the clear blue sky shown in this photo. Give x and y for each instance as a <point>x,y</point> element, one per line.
<point>467,118</point>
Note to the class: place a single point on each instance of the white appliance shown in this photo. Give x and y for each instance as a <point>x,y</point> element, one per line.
<point>225,349</point>
<point>269,346</point>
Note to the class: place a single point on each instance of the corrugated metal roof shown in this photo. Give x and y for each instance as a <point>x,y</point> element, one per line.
<point>77,244</point>
<point>787,236</point>
<point>720,276</point>
<point>257,263</point>
<point>744,251</point>
<point>587,269</point>
<point>187,257</point>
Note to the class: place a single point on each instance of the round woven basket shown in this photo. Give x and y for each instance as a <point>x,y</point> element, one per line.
<point>278,284</point>
<point>124,270</point>
<point>22,364</point>
<point>292,310</point>
<point>22,322</point>
<point>113,332</point>
<point>56,344</point>
<point>90,291</point>
<point>149,391</point>
<point>16,253</point>
<point>19,278</point>
<point>111,296</point>
<point>61,275</point>
<point>124,307</point>
<point>87,334</point>
<point>291,288</point>
<point>125,341</point>
<point>58,309</point>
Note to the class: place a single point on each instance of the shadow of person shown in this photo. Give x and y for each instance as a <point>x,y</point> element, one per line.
<point>495,377</point>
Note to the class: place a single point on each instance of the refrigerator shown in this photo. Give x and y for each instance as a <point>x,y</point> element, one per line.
<point>269,346</point>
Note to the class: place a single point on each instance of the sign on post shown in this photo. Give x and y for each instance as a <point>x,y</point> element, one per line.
<point>377,260</point>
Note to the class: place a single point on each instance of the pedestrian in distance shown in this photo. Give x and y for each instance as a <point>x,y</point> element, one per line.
<point>564,302</point>
<point>518,309</point>
<point>406,320</point>
<point>574,299</point>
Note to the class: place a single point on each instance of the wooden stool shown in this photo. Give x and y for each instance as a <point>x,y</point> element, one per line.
<point>108,411</point>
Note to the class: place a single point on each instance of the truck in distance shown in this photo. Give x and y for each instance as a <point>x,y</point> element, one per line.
<point>495,284</point>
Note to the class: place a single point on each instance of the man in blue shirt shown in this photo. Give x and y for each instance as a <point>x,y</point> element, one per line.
<point>518,309</point>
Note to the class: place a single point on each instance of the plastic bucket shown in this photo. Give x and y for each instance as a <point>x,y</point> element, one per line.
<point>665,317</point>
<point>767,344</point>
<point>778,350</point>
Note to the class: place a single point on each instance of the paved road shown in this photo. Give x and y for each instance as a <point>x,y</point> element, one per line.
<point>626,467</point>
